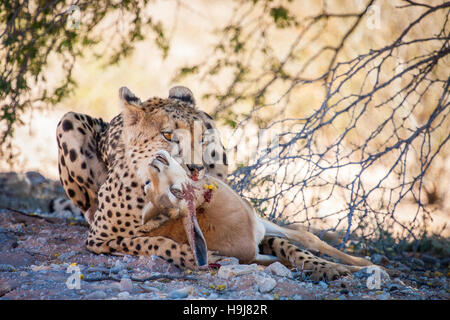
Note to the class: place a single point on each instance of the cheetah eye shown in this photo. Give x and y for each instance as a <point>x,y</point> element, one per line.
<point>167,135</point>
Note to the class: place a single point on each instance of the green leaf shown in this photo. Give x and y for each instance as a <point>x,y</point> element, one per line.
<point>281,17</point>
<point>230,123</point>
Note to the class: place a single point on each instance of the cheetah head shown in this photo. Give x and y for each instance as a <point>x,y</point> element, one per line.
<point>171,124</point>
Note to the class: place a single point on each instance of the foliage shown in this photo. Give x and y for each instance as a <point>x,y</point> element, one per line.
<point>35,35</point>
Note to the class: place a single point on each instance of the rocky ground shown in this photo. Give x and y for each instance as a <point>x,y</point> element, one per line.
<point>44,257</point>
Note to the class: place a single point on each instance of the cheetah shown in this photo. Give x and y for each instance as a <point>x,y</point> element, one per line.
<point>104,169</point>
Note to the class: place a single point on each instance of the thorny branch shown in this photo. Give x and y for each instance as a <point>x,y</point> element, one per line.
<point>375,138</point>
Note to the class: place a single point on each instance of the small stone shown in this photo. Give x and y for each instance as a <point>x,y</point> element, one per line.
<point>417,263</point>
<point>323,285</point>
<point>119,265</point>
<point>279,270</point>
<point>379,259</point>
<point>409,290</point>
<point>126,284</point>
<point>228,261</point>
<point>402,268</point>
<point>66,256</point>
<point>148,288</point>
<point>394,287</point>
<point>383,296</point>
<point>124,295</point>
<point>55,267</point>
<point>123,273</point>
<point>227,272</point>
<point>429,259</point>
<point>41,268</point>
<point>114,270</point>
<point>399,282</point>
<point>95,276</point>
<point>35,177</point>
<point>98,269</point>
<point>445,262</point>
<point>99,294</point>
<point>114,286</point>
<point>128,258</point>
<point>140,276</point>
<point>181,293</point>
<point>265,284</point>
<point>7,268</point>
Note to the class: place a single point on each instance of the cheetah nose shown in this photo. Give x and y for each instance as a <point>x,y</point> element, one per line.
<point>193,167</point>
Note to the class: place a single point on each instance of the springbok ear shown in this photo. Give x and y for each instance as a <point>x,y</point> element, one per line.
<point>183,94</point>
<point>131,106</point>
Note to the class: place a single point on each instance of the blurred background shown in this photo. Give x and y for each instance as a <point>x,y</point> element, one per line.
<point>146,71</point>
<point>334,113</point>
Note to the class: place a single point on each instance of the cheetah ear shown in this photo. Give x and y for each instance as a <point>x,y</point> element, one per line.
<point>183,94</point>
<point>131,106</point>
<point>127,98</point>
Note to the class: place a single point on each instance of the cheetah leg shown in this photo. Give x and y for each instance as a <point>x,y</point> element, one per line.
<point>152,224</point>
<point>312,242</point>
<point>304,260</point>
<point>81,171</point>
<point>180,255</point>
